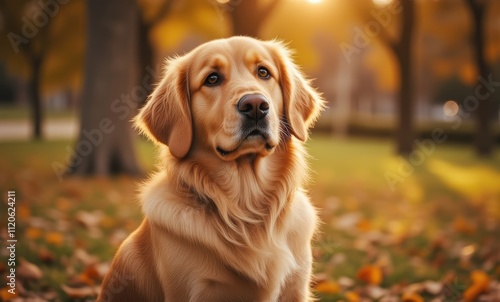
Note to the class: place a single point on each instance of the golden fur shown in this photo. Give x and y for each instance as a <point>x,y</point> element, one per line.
<point>226,218</point>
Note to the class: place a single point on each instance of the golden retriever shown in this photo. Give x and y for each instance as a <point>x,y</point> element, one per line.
<point>226,217</point>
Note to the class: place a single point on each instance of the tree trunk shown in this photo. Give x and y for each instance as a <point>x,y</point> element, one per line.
<point>405,133</point>
<point>106,142</point>
<point>484,140</point>
<point>248,16</point>
<point>35,98</point>
<point>146,59</point>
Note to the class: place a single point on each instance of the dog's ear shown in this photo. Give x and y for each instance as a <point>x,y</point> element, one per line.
<point>302,102</point>
<point>166,117</point>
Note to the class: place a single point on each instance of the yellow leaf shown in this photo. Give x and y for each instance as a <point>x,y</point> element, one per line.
<point>54,238</point>
<point>328,287</point>
<point>412,297</point>
<point>370,274</point>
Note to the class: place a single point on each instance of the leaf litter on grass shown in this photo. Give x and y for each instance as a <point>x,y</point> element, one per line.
<point>431,240</point>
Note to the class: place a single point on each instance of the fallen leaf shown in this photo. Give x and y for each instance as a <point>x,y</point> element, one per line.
<point>80,292</point>
<point>345,282</point>
<point>364,225</point>
<point>414,288</point>
<point>370,274</point>
<point>63,204</point>
<point>33,233</point>
<point>480,283</point>
<point>348,221</point>
<point>54,238</point>
<point>89,219</point>
<point>411,297</point>
<point>46,256</point>
<point>83,256</point>
<point>328,287</point>
<point>351,296</point>
<point>23,212</point>
<point>5,295</point>
<point>433,287</point>
<point>462,225</point>
<point>318,278</point>
<point>376,292</point>
<point>28,271</point>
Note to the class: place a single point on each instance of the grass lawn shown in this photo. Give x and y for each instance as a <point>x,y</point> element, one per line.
<point>389,229</point>
<point>9,113</point>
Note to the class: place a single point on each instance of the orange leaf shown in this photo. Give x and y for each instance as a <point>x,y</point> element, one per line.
<point>351,296</point>
<point>462,225</point>
<point>364,225</point>
<point>24,212</point>
<point>370,274</point>
<point>54,238</point>
<point>480,283</point>
<point>412,297</point>
<point>328,287</point>
<point>33,233</point>
<point>5,295</point>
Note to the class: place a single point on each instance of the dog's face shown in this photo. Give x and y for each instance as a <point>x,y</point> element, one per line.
<point>230,97</point>
<point>236,99</point>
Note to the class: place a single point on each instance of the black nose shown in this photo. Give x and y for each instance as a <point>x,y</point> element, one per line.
<point>253,106</point>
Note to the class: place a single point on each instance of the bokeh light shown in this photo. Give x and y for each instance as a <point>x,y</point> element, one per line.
<point>450,108</point>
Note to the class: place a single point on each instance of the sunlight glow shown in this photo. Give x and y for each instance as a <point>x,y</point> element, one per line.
<point>381,2</point>
<point>314,1</point>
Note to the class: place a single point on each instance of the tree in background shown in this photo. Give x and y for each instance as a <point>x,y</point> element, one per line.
<point>27,26</point>
<point>487,109</point>
<point>400,43</point>
<point>151,13</point>
<point>41,44</point>
<point>247,17</point>
<point>109,100</point>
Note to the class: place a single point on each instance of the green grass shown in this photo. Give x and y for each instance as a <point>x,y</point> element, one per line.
<point>452,199</point>
<point>10,113</point>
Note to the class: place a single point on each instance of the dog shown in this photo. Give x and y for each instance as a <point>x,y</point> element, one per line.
<point>226,215</point>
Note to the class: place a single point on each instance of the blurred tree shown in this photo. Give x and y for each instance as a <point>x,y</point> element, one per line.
<point>105,145</point>
<point>399,41</point>
<point>248,16</point>
<point>151,13</point>
<point>487,109</point>
<point>41,43</point>
<point>26,24</point>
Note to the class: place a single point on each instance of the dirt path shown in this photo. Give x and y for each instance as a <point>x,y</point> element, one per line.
<point>52,129</point>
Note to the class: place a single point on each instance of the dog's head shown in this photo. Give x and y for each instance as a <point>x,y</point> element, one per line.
<point>231,97</point>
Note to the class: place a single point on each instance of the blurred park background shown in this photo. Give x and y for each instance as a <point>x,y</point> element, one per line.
<point>405,158</point>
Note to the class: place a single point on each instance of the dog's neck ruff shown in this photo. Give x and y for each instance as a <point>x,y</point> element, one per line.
<point>244,194</point>
<point>232,206</point>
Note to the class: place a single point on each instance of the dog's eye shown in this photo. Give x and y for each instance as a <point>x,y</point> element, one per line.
<point>213,79</point>
<point>263,73</point>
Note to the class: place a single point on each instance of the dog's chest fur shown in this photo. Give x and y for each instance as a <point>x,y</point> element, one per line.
<point>233,219</point>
